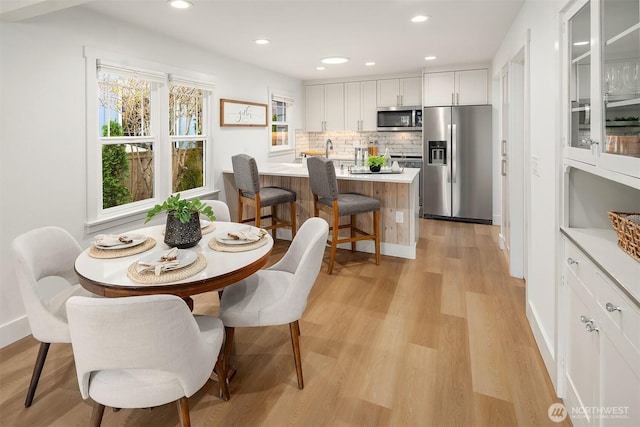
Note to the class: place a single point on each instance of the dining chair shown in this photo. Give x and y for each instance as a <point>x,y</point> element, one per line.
<point>245,173</point>
<point>277,295</point>
<point>142,351</point>
<point>44,260</point>
<point>220,209</point>
<point>326,198</point>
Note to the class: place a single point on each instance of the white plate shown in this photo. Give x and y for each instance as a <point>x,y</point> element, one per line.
<point>204,223</point>
<point>135,242</point>
<point>185,257</point>
<point>226,240</point>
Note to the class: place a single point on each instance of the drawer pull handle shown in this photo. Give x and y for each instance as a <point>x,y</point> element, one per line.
<point>611,308</point>
<point>585,319</point>
<point>571,261</point>
<point>589,327</point>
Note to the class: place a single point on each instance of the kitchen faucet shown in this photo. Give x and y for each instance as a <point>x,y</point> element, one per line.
<point>327,146</point>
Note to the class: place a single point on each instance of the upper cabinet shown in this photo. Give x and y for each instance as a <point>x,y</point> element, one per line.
<point>360,105</point>
<point>400,92</point>
<point>466,87</point>
<point>324,107</point>
<point>602,39</point>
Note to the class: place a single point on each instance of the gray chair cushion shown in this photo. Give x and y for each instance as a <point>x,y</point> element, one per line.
<point>322,178</point>
<point>245,172</point>
<point>353,203</point>
<point>271,196</point>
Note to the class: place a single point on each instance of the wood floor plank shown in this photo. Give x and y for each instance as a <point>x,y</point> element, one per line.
<point>492,412</point>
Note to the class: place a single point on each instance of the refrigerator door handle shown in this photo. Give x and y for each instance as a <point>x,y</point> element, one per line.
<point>454,154</point>
<point>448,153</point>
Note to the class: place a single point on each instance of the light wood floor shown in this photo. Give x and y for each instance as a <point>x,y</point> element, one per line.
<point>438,341</point>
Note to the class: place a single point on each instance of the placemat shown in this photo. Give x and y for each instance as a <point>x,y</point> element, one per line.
<point>95,252</point>
<point>149,277</point>
<point>221,247</point>
<point>209,228</point>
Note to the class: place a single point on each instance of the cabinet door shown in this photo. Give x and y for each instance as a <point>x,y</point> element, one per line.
<point>388,92</point>
<point>581,350</point>
<point>314,108</point>
<point>334,106</point>
<point>471,87</point>
<point>439,89</point>
<point>368,112</point>
<point>352,106</point>
<point>411,91</point>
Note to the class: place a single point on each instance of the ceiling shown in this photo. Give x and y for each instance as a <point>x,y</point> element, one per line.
<point>304,31</point>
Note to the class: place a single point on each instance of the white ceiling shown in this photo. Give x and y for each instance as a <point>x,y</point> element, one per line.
<point>304,31</point>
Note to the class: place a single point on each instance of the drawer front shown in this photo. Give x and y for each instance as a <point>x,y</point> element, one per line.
<point>578,263</point>
<point>617,307</point>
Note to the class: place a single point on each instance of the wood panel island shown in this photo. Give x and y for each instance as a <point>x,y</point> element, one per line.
<point>397,192</point>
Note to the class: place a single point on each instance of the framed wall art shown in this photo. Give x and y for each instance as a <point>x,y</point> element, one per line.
<point>242,113</point>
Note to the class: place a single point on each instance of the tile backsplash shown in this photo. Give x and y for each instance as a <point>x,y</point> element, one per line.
<point>344,142</point>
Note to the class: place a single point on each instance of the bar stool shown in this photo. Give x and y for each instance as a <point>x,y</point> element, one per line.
<point>326,198</point>
<point>245,172</point>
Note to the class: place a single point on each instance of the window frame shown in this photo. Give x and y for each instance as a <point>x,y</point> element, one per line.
<point>98,218</point>
<point>290,147</point>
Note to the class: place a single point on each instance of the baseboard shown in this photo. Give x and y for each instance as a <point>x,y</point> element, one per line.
<point>389,249</point>
<point>14,331</point>
<point>546,350</point>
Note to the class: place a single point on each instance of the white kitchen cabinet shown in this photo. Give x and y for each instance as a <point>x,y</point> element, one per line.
<point>400,92</point>
<point>324,107</point>
<point>464,87</point>
<point>360,105</point>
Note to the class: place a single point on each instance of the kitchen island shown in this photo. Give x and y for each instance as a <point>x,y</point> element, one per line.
<point>397,192</point>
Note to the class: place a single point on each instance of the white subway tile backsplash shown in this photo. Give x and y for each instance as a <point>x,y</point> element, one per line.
<point>344,142</point>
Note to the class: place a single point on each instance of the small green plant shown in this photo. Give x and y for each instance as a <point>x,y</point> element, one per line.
<point>376,161</point>
<point>181,209</point>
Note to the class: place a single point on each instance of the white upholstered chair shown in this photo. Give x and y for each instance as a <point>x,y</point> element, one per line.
<point>44,260</point>
<point>220,209</point>
<point>277,295</point>
<point>141,352</point>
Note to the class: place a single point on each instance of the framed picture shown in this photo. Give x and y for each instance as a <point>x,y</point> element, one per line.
<point>240,113</point>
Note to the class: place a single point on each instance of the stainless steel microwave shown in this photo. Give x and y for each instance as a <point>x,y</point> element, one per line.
<point>400,119</point>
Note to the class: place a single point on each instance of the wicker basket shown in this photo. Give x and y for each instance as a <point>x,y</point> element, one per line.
<point>628,233</point>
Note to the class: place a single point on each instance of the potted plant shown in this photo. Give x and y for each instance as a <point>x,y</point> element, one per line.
<point>183,220</point>
<point>375,163</point>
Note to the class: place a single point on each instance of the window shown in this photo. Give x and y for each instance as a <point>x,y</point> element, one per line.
<point>281,122</point>
<point>148,137</point>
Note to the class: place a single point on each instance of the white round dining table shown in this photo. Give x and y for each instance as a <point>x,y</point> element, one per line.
<point>108,277</point>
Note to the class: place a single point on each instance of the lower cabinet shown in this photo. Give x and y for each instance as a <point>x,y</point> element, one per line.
<point>602,356</point>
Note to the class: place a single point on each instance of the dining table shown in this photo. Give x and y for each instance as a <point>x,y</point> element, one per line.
<point>214,262</point>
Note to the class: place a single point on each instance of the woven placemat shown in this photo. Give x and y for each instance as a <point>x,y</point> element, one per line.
<point>95,252</point>
<point>149,277</point>
<point>209,228</point>
<point>221,247</point>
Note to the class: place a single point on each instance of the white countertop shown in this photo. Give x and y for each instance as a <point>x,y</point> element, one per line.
<point>297,170</point>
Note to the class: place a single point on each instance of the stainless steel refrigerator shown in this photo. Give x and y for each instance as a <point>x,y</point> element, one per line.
<point>457,163</point>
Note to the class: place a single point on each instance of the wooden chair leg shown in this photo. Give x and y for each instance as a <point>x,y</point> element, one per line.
<point>295,342</point>
<point>37,370</point>
<point>334,240</point>
<point>376,230</point>
<point>228,347</point>
<point>222,376</point>
<point>183,411</point>
<point>293,220</point>
<point>240,208</point>
<point>96,414</point>
<point>273,222</point>
<point>352,228</point>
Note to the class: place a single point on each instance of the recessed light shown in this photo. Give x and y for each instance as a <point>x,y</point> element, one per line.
<point>581,43</point>
<point>262,41</point>
<point>335,60</point>
<point>419,18</point>
<point>370,64</point>
<point>321,68</point>
<point>180,4</point>
<point>430,58</point>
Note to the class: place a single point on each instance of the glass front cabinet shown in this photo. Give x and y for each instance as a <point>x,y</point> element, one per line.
<point>602,42</point>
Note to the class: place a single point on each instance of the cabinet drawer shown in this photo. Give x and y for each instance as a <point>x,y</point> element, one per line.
<point>624,314</point>
<point>577,262</point>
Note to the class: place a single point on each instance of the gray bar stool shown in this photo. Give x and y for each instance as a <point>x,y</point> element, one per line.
<point>326,198</point>
<point>245,172</point>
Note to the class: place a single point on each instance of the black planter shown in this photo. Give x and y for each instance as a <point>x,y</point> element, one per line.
<point>181,235</point>
<point>374,168</point>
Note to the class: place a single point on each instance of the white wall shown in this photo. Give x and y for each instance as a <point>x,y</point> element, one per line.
<point>42,123</point>
<point>542,18</point>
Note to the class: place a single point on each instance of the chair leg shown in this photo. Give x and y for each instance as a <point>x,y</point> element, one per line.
<point>183,411</point>
<point>240,208</point>
<point>334,240</point>
<point>96,414</point>
<point>293,220</point>
<point>274,222</point>
<point>222,376</point>
<point>37,370</point>
<point>295,342</point>
<point>376,230</point>
<point>228,346</point>
<point>352,227</point>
